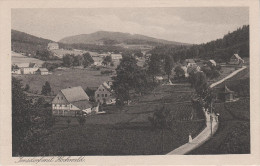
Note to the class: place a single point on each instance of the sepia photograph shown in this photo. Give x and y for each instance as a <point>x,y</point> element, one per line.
<point>130,81</point>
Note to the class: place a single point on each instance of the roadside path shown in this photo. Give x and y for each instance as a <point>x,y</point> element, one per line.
<point>206,133</point>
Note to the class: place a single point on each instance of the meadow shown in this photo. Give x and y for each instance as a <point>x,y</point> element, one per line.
<point>19,58</point>
<point>65,78</point>
<point>122,130</point>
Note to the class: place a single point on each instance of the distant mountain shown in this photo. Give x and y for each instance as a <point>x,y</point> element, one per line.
<point>115,38</point>
<point>26,43</point>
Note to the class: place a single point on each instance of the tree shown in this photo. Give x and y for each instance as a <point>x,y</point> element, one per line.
<point>154,65</point>
<point>21,116</point>
<point>81,120</point>
<point>46,88</point>
<point>138,54</point>
<point>168,65</point>
<point>27,87</point>
<point>128,77</point>
<point>161,119</point>
<point>88,60</point>
<point>68,60</point>
<point>107,60</point>
<point>68,122</point>
<point>198,81</point>
<point>179,72</point>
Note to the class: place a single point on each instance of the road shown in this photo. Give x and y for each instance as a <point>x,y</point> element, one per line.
<point>206,133</point>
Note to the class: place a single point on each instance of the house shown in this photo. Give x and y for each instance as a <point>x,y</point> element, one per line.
<point>97,63</point>
<point>53,46</point>
<point>184,68</point>
<point>158,78</point>
<point>72,102</point>
<point>42,71</point>
<point>16,71</point>
<point>190,62</point>
<point>212,63</point>
<point>30,69</point>
<point>116,57</point>
<point>104,94</point>
<point>236,60</point>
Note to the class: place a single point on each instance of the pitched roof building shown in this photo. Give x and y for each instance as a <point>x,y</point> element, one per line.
<point>71,102</point>
<point>104,93</point>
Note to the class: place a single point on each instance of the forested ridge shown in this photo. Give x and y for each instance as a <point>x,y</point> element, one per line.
<point>220,50</point>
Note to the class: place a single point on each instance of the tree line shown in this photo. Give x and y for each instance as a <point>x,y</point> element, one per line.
<point>78,60</point>
<point>220,50</point>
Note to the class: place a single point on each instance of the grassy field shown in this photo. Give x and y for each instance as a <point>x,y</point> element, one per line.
<point>61,79</point>
<point>123,130</point>
<point>19,58</point>
<point>233,134</point>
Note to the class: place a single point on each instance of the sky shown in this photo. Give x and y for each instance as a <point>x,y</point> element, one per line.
<point>192,25</point>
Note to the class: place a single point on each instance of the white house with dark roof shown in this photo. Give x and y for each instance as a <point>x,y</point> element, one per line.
<point>53,46</point>
<point>71,102</point>
<point>104,94</point>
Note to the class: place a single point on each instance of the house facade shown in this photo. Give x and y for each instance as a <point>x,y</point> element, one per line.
<point>104,94</point>
<point>53,46</point>
<point>71,102</point>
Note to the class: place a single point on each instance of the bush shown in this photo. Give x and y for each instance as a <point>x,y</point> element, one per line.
<point>81,120</point>
<point>107,72</point>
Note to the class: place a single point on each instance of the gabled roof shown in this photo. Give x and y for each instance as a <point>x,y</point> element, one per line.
<point>74,94</point>
<point>107,87</point>
<point>43,70</point>
<point>21,65</point>
<point>83,104</point>
<point>213,62</point>
<point>32,65</point>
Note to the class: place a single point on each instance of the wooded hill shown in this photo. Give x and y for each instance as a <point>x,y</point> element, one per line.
<point>26,43</point>
<point>112,38</point>
<point>220,50</point>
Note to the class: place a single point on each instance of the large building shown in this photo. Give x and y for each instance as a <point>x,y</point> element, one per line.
<point>104,94</point>
<point>71,102</point>
<point>53,46</point>
<point>30,68</point>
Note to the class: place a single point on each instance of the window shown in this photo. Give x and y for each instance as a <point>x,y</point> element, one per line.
<point>102,95</point>
<point>99,89</point>
<point>97,95</point>
<point>58,98</point>
<point>105,95</point>
<point>71,106</point>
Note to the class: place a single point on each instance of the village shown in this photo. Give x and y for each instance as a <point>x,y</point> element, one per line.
<point>87,90</point>
<point>73,101</point>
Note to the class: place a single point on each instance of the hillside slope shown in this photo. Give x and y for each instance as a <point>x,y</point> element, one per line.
<point>220,50</point>
<point>106,38</point>
<point>26,43</point>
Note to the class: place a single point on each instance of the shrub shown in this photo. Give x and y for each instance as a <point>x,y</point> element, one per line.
<point>81,120</point>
